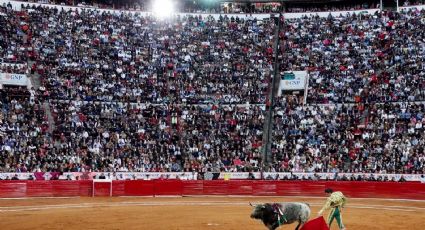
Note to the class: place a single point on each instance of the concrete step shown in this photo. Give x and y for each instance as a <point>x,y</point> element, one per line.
<point>36,83</point>
<point>50,119</point>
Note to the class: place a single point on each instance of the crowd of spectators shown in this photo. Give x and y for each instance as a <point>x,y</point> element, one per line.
<point>411,2</point>
<point>133,93</point>
<point>199,6</point>
<point>341,6</point>
<point>217,7</point>
<point>359,58</point>
<point>98,57</point>
<point>143,138</point>
<point>378,138</point>
<point>13,68</point>
<point>23,132</point>
<point>339,177</point>
<point>15,37</point>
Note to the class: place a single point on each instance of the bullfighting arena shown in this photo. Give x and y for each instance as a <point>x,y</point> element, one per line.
<point>181,213</point>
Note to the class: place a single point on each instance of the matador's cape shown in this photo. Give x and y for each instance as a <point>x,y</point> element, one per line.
<point>316,224</point>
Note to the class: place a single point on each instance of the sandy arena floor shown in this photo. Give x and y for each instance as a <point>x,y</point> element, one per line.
<point>189,213</point>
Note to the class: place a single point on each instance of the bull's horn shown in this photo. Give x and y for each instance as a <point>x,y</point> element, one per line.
<point>250,204</point>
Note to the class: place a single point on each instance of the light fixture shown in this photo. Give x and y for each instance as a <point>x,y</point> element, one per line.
<point>162,8</point>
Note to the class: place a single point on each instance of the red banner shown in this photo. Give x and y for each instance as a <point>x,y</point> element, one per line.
<point>408,190</point>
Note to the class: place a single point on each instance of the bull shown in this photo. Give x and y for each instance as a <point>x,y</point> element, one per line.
<point>277,214</point>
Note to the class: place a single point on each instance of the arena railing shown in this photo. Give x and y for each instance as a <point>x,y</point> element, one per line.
<point>392,190</point>
<point>16,5</point>
<point>194,175</point>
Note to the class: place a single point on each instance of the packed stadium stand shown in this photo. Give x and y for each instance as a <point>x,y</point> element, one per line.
<point>132,93</point>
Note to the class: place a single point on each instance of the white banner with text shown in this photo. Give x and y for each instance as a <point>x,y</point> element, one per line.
<point>13,79</point>
<point>207,176</point>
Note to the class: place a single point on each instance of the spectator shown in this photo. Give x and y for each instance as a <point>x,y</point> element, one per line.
<point>402,179</point>
<point>190,94</point>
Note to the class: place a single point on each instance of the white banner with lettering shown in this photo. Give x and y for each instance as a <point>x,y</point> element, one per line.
<point>293,80</point>
<point>194,176</point>
<point>13,79</point>
<point>16,5</point>
<point>16,176</point>
<point>316,176</point>
<point>331,176</point>
<point>131,175</point>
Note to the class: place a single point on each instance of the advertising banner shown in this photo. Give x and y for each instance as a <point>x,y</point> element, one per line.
<point>130,175</point>
<point>19,176</point>
<point>293,80</point>
<point>13,79</point>
<point>194,176</point>
<point>46,176</point>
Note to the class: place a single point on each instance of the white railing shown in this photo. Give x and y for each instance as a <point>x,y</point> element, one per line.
<point>16,5</point>
<point>194,175</point>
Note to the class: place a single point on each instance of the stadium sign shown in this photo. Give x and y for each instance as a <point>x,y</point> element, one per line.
<point>194,175</point>
<point>19,176</point>
<point>131,175</point>
<point>13,79</point>
<point>293,80</point>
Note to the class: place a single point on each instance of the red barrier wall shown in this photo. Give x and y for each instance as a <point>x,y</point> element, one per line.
<point>408,190</point>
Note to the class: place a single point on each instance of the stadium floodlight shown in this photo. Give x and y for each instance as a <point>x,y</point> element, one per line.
<point>162,8</point>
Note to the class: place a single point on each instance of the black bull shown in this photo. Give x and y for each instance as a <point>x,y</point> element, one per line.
<point>274,215</point>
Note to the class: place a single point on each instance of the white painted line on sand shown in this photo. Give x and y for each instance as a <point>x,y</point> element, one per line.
<point>127,204</point>
<point>304,197</point>
<point>217,196</point>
